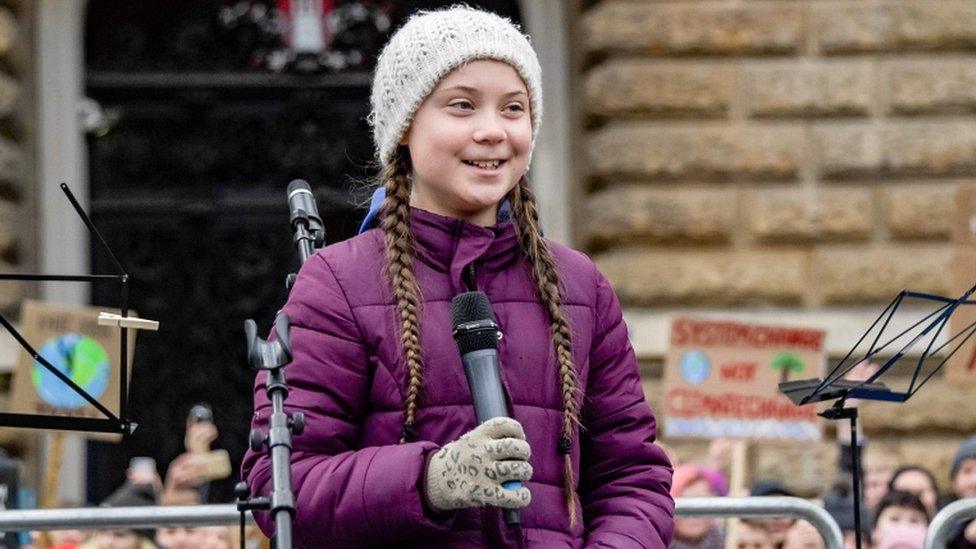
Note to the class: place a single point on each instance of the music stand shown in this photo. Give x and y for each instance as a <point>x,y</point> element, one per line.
<point>835,387</point>
<point>110,423</point>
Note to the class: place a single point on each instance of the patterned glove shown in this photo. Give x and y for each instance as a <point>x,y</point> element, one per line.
<point>470,471</point>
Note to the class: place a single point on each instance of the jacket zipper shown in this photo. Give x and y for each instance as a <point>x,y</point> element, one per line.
<point>471,281</point>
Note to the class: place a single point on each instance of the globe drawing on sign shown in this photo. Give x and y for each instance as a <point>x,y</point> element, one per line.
<point>82,359</point>
<point>694,367</point>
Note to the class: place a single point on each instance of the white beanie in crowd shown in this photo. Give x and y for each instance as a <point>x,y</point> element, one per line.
<point>432,44</point>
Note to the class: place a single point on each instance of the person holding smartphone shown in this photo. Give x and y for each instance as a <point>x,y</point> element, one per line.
<point>189,475</point>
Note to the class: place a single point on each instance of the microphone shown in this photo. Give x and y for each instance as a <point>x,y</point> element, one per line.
<point>301,206</point>
<point>477,335</point>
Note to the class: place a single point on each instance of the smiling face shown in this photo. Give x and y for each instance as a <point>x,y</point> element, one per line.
<point>470,141</point>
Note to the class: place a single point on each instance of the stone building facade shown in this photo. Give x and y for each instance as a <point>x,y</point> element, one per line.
<point>16,230</point>
<point>798,156</point>
<point>787,160</point>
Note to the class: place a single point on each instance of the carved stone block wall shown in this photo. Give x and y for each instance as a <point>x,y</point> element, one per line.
<point>740,155</point>
<point>15,189</point>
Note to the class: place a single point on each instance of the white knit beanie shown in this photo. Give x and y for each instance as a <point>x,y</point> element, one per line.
<point>432,44</point>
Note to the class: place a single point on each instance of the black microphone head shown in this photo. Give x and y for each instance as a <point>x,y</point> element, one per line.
<point>468,308</point>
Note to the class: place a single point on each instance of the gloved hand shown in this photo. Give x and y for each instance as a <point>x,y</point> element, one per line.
<point>469,472</point>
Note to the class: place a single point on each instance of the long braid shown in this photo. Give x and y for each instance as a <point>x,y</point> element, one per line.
<point>399,260</point>
<point>546,278</point>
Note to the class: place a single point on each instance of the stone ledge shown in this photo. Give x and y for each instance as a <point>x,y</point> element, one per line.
<point>854,25</point>
<point>659,88</point>
<point>895,147</point>
<point>711,151</point>
<point>690,27</point>
<point>630,213</point>
<point>688,276</point>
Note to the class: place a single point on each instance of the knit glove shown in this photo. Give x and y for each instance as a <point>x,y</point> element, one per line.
<point>470,471</point>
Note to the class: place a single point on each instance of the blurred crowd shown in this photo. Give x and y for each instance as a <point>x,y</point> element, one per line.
<point>898,503</point>
<point>899,500</point>
<point>186,482</point>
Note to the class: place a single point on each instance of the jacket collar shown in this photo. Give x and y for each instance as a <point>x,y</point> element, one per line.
<point>449,245</point>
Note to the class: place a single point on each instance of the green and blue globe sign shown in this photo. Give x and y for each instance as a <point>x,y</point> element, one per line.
<point>82,360</point>
<point>70,339</point>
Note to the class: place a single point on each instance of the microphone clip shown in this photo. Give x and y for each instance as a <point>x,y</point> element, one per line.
<point>476,327</point>
<point>311,224</point>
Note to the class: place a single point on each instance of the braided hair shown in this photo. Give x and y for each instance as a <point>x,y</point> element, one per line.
<point>399,250</point>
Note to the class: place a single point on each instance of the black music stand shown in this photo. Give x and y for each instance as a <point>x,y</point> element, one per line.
<point>835,387</point>
<point>110,423</point>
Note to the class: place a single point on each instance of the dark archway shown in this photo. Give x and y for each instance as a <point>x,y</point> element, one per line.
<point>201,132</point>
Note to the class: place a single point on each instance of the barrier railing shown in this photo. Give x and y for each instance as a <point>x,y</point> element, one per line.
<point>764,507</point>
<point>98,518</point>
<point>105,518</point>
<point>946,520</point>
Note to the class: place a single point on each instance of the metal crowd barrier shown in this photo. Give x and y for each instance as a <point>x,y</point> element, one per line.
<point>946,520</point>
<point>105,518</point>
<point>764,507</point>
<point>99,518</point>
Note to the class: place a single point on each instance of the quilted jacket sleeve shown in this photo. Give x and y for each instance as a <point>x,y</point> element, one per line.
<point>344,495</point>
<point>625,478</point>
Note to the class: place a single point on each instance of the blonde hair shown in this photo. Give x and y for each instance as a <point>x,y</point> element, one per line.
<point>399,250</point>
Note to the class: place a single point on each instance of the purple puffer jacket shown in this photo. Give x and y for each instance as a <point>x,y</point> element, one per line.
<point>356,486</point>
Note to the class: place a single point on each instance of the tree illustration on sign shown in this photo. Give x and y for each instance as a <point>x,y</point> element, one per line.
<point>786,363</point>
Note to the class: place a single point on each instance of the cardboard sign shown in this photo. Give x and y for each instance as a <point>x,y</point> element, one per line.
<point>961,367</point>
<point>721,377</point>
<point>70,338</point>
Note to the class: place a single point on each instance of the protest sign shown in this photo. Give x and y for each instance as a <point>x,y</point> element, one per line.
<point>721,378</point>
<point>71,339</point>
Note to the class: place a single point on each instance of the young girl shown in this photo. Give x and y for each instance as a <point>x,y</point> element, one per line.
<point>391,453</point>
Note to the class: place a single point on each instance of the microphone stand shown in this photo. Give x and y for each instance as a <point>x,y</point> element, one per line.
<point>273,356</point>
<point>304,239</point>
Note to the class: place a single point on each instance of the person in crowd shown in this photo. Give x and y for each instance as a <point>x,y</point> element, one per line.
<point>898,508</point>
<point>690,481</point>
<point>919,481</point>
<point>802,535</point>
<point>60,539</point>
<point>962,475</point>
<point>178,537</point>
<point>187,482</point>
<point>217,537</point>
<point>777,527</point>
<point>392,454</point>
<point>128,495</point>
<point>902,536</point>
<point>66,539</point>
<point>751,535</point>
<point>784,532</point>
<point>197,537</point>
<point>879,464</point>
